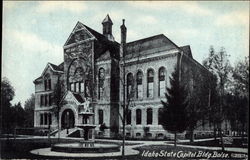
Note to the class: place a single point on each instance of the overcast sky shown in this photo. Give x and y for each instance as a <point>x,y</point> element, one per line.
<point>34,32</point>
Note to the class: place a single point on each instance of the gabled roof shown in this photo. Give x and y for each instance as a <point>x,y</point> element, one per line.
<point>77,98</point>
<point>187,50</point>
<point>159,42</point>
<point>57,68</point>
<point>53,67</point>
<point>104,43</point>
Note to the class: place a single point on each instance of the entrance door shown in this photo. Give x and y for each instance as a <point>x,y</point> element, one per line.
<point>68,119</point>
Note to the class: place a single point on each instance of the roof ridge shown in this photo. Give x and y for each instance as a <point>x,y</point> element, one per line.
<point>158,35</point>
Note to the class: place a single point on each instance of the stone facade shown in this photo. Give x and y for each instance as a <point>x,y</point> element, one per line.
<point>93,69</point>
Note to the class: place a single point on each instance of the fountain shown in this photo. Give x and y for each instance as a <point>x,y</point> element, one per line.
<point>87,142</point>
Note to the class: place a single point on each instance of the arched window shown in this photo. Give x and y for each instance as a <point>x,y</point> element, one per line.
<point>138,116</point>
<point>129,117</point>
<point>159,116</point>
<point>150,85</point>
<point>149,116</point>
<point>101,77</point>
<point>100,116</point>
<point>129,85</point>
<point>162,83</point>
<point>139,87</point>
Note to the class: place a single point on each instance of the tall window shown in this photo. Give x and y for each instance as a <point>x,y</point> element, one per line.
<point>41,119</point>
<point>45,118</point>
<point>139,89</point>
<point>50,119</point>
<point>129,117</point>
<point>162,83</point>
<point>150,86</point>
<point>76,87</point>
<point>81,85</point>
<point>45,100</point>
<point>138,116</point>
<point>149,116</point>
<point>72,88</point>
<point>49,84</point>
<point>41,100</point>
<point>100,116</point>
<point>129,85</point>
<point>159,117</point>
<point>50,99</point>
<point>101,77</point>
<point>45,84</point>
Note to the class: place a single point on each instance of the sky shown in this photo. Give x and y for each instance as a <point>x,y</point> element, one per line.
<point>34,32</point>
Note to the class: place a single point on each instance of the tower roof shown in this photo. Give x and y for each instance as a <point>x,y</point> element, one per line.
<point>107,19</point>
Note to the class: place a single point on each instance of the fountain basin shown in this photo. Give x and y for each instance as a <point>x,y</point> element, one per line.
<point>77,148</point>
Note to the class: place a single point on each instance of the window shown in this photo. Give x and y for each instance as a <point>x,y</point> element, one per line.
<point>50,119</point>
<point>49,84</point>
<point>41,100</point>
<point>150,85</point>
<point>100,115</point>
<point>45,100</point>
<point>50,100</point>
<point>159,116</point>
<point>101,77</point>
<point>72,86</point>
<point>45,84</point>
<point>162,83</point>
<point>81,87</point>
<point>129,117</point>
<point>129,85</point>
<point>41,119</point>
<point>149,116</point>
<point>139,89</point>
<point>138,116</point>
<point>77,87</point>
<point>45,118</point>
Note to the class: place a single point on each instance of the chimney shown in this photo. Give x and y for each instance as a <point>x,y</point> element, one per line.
<point>123,32</point>
<point>107,28</point>
<point>123,38</point>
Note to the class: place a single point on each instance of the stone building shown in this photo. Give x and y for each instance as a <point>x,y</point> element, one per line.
<point>93,70</point>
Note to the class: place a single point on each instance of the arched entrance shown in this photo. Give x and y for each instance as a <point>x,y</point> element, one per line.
<point>68,119</point>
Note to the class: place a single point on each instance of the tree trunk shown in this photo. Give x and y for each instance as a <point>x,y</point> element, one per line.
<point>191,138</point>
<point>175,139</point>
<point>58,128</point>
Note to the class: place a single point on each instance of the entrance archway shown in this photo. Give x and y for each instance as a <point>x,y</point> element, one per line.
<point>68,119</point>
